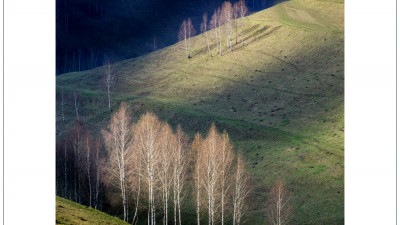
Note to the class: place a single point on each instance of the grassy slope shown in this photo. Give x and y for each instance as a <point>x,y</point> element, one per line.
<point>280,97</point>
<point>68,212</point>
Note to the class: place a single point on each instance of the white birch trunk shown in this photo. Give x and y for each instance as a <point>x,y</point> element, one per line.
<point>88,174</point>
<point>216,37</point>
<point>186,48</point>
<point>198,197</point>
<point>242,33</point>
<point>96,199</point>
<point>208,44</point>
<point>76,106</point>
<point>137,204</point>
<point>220,41</point>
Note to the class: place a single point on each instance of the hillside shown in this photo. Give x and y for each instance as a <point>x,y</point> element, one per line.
<point>68,212</point>
<point>280,97</point>
<point>124,29</point>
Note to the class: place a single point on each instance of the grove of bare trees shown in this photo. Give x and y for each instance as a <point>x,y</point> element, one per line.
<point>227,12</point>
<point>153,168</point>
<point>203,29</point>
<point>186,31</point>
<point>80,159</point>
<point>227,15</point>
<point>242,12</point>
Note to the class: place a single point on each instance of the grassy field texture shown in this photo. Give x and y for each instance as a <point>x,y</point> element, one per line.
<point>68,212</point>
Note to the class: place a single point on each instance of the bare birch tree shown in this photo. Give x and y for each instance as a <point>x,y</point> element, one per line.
<point>227,16</point>
<point>77,136</point>
<point>197,150</point>
<point>203,28</point>
<point>135,184</point>
<point>235,13</point>
<point>98,163</point>
<point>65,170</point>
<point>146,134</point>
<point>118,145</point>
<point>179,165</point>
<point>240,191</point>
<point>186,31</point>
<point>191,32</point>
<point>76,104</point>
<point>279,209</point>
<point>182,35</point>
<point>167,144</point>
<point>220,22</point>
<point>88,147</point>
<point>242,12</point>
<point>109,80</point>
<point>226,157</point>
<point>214,25</point>
<point>211,165</point>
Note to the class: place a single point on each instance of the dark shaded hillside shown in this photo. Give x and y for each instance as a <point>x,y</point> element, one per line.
<point>88,29</point>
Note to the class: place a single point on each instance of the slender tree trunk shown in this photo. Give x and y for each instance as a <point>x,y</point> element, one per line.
<point>76,107</point>
<point>152,203</point>
<point>75,186</point>
<point>228,34</point>
<point>109,97</point>
<point>222,202</point>
<point>230,38</point>
<point>236,29</point>
<point>198,199</point>
<point>179,210</point>
<point>234,212</point>
<point>89,180</point>
<point>186,48</point>
<point>212,208</point>
<point>175,201</point>
<point>189,46</point>
<point>209,209</point>
<point>279,206</point>
<point>216,38</point>
<point>242,33</point>
<point>137,204</point>
<point>165,205</point>
<point>149,210</point>
<point>208,44</point>
<point>220,41</point>
<point>123,200</point>
<point>96,199</point>
<point>79,182</point>
<point>123,188</point>
<point>62,106</point>
<point>65,171</point>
